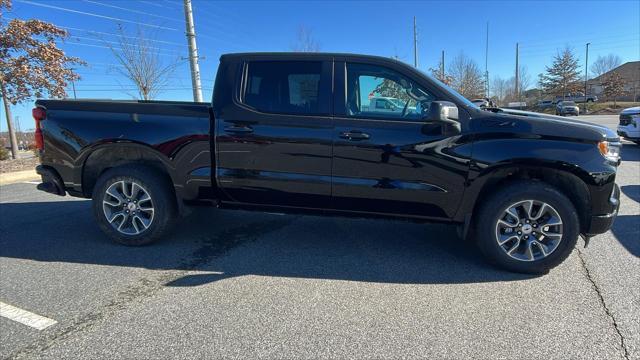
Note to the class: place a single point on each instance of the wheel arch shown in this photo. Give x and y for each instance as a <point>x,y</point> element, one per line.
<point>568,182</point>
<point>107,156</point>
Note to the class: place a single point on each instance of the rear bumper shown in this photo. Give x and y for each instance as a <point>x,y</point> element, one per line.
<point>51,180</point>
<point>602,223</point>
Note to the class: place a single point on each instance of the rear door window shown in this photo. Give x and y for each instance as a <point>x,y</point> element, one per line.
<point>286,87</point>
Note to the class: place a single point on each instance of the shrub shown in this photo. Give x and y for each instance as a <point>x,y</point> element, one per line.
<point>4,153</point>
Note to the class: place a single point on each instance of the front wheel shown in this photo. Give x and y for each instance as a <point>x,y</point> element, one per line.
<point>134,205</point>
<point>528,227</point>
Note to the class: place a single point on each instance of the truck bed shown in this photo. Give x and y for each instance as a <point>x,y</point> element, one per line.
<point>81,135</point>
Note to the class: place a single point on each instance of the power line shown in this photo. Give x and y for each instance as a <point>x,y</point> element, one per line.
<point>135,89</point>
<point>557,40</point>
<point>119,35</point>
<point>549,54</point>
<point>116,42</point>
<point>94,15</point>
<point>626,41</point>
<point>155,4</point>
<point>131,10</point>
<point>107,47</point>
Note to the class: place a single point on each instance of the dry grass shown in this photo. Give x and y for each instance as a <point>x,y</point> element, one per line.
<point>12,165</point>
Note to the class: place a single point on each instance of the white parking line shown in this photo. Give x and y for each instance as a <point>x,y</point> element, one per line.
<point>25,317</point>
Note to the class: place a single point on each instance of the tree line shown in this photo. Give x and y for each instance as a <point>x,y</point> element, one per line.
<point>562,77</point>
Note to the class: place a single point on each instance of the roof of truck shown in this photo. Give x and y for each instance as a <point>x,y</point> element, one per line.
<point>307,55</point>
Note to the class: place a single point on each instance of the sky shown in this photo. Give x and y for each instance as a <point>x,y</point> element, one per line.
<point>382,28</point>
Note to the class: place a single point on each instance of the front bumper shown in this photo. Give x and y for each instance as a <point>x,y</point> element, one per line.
<point>51,180</point>
<point>602,223</point>
<point>629,132</point>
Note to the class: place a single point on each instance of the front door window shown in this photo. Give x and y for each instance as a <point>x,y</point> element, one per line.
<point>375,91</point>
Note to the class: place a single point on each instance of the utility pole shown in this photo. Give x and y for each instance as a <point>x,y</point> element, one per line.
<point>73,86</point>
<point>586,75</point>
<point>193,52</point>
<point>486,65</point>
<point>442,66</point>
<point>415,43</point>
<point>517,74</point>
<point>12,133</point>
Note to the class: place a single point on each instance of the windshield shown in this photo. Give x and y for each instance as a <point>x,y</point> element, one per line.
<point>459,97</point>
<point>569,103</point>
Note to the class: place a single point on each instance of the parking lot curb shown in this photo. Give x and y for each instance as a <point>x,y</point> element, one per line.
<point>18,176</point>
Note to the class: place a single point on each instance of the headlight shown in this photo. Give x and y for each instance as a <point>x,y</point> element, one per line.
<point>611,151</point>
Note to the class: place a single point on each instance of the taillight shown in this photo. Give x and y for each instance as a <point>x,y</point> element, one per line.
<point>39,114</point>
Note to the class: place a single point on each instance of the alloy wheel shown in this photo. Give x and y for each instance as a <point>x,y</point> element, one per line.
<point>529,230</point>
<point>128,207</point>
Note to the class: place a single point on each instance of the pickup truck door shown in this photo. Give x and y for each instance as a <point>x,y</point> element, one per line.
<point>387,163</point>
<point>274,142</point>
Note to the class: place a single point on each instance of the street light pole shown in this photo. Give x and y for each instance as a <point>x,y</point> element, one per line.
<point>586,75</point>
<point>415,43</point>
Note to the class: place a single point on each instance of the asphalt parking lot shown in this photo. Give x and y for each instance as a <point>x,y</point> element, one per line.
<point>247,285</point>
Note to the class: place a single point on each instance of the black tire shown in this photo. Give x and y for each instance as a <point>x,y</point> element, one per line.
<point>162,201</point>
<point>494,207</point>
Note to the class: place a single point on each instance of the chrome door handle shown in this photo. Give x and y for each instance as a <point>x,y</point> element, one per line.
<point>238,129</point>
<point>354,135</point>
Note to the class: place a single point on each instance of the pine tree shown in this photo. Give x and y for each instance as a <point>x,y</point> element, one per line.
<point>563,76</point>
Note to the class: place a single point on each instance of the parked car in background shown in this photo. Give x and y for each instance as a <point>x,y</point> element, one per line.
<point>387,104</point>
<point>517,105</point>
<point>629,126</point>
<point>544,104</point>
<point>481,103</point>
<point>289,132</point>
<point>567,108</point>
<point>576,97</point>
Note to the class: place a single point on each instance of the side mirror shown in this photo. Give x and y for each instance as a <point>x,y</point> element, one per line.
<point>444,112</point>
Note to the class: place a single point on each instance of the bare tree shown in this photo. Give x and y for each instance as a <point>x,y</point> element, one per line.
<point>524,82</point>
<point>141,63</point>
<point>305,41</point>
<point>31,64</point>
<point>439,73</point>
<point>613,86</point>
<point>468,80</point>
<point>604,64</point>
<point>499,86</point>
<point>524,79</point>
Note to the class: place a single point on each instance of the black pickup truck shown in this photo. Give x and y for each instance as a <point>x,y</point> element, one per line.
<point>336,134</point>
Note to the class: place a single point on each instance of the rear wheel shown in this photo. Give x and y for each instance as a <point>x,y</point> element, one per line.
<point>133,205</point>
<point>527,227</point>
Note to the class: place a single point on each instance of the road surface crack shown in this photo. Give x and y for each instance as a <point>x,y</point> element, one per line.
<point>603,304</point>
